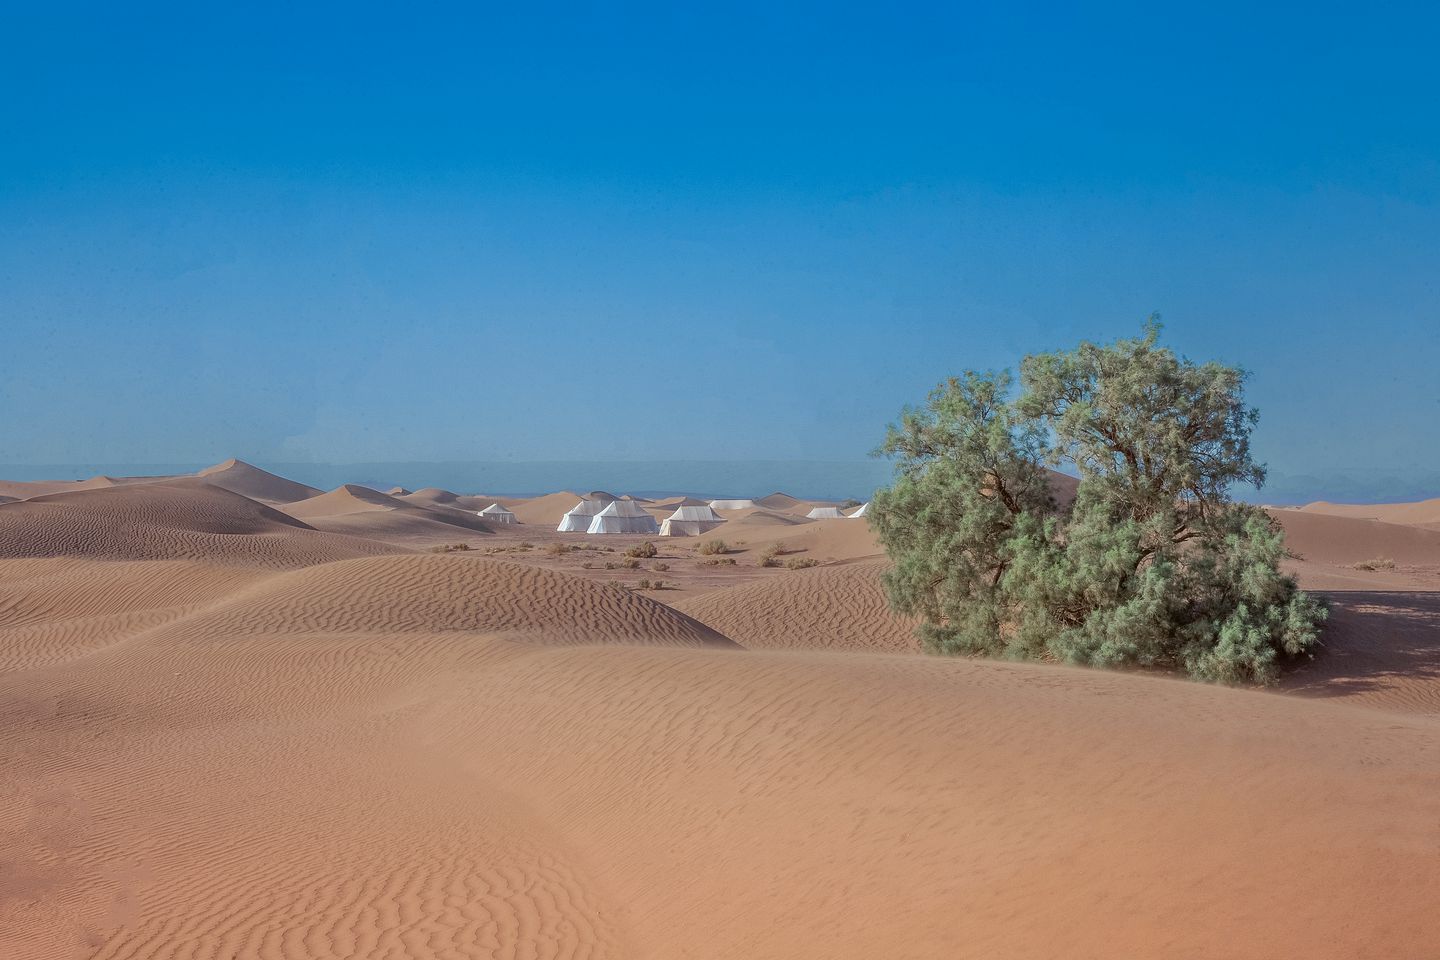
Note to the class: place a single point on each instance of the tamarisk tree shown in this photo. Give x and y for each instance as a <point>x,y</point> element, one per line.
<point>1149,563</point>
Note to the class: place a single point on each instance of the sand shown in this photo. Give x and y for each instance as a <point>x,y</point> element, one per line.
<point>228,734</point>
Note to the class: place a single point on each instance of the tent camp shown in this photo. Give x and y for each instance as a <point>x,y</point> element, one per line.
<point>690,521</point>
<point>825,513</point>
<point>497,514</point>
<point>580,515</point>
<point>732,504</point>
<point>623,516</point>
<point>860,511</point>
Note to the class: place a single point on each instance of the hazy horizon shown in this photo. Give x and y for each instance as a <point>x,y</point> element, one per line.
<point>809,479</point>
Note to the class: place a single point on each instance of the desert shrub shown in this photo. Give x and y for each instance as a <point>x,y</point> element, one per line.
<point>644,585</point>
<point>1151,565</point>
<point>801,563</point>
<point>559,549</point>
<point>719,561</point>
<point>769,557</point>
<point>848,504</point>
<point>646,550</point>
<point>711,547</point>
<point>661,567</point>
<point>630,563</point>
<point>451,548</point>
<point>1379,563</point>
<point>609,565</point>
<point>587,565</point>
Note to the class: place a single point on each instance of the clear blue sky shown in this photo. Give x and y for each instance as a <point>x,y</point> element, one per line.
<point>614,232</point>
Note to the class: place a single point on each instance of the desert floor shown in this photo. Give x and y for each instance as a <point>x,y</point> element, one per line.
<point>244,718</point>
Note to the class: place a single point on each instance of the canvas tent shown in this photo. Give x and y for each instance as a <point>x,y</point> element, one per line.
<point>860,511</point>
<point>580,515</point>
<point>497,514</point>
<point>623,516</point>
<point>690,521</point>
<point>825,513</point>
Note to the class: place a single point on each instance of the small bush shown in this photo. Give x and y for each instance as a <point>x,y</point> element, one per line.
<point>451,548</point>
<point>609,565</point>
<point>662,567</point>
<point>801,563</point>
<point>1379,563</point>
<point>719,561</point>
<point>643,585</point>
<point>559,549</point>
<point>646,550</point>
<point>712,547</point>
<point>587,565</point>
<point>630,563</point>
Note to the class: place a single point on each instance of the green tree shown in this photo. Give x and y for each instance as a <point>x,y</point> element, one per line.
<point>1150,564</point>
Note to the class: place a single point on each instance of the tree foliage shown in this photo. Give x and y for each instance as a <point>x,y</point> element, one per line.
<point>1151,564</point>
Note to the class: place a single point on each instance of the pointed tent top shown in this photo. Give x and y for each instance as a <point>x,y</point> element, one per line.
<point>623,508</point>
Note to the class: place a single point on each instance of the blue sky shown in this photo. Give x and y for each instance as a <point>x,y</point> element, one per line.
<point>616,232</point>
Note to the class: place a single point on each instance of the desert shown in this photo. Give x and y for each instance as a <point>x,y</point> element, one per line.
<point>237,728</point>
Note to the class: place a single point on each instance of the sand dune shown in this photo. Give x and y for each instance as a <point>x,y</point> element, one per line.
<point>362,512</point>
<point>1322,538</point>
<point>840,607</point>
<point>1423,511</point>
<point>229,735</point>
<point>434,594</point>
<point>819,539</point>
<point>781,502</point>
<point>237,476</point>
<point>435,497</point>
<point>179,519</point>
<point>351,790</point>
<point>545,511</point>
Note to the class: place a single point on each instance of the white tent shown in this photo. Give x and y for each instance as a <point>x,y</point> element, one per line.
<point>497,514</point>
<point>690,521</point>
<point>860,511</point>
<point>623,516</point>
<point>825,513</point>
<point>732,504</point>
<point>580,515</point>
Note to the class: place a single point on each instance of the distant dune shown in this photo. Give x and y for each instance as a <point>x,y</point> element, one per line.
<point>1424,511</point>
<point>178,519</point>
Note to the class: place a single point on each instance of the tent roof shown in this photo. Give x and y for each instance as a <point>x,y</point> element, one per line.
<point>623,508</point>
<point>494,508</point>
<point>689,512</point>
<point>824,513</point>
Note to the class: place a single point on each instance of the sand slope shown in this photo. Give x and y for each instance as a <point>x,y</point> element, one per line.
<point>363,512</point>
<point>351,791</point>
<point>178,519</point>
<point>1423,511</point>
<point>840,607</point>
<point>1346,540</point>
<point>237,476</point>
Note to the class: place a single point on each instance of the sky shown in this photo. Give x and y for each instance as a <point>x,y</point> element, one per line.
<point>362,233</point>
